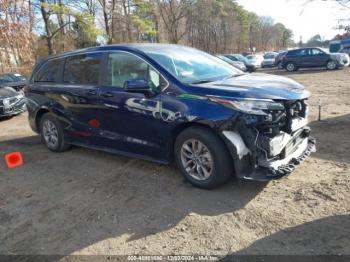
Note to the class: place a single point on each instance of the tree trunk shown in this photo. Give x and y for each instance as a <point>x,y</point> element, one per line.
<point>48,29</point>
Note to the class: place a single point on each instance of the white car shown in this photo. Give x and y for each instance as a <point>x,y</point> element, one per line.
<point>269,60</point>
<point>256,60</point>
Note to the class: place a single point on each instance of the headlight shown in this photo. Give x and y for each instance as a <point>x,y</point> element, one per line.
<point>20,96</point>
<point>6,101</point>
<point>250,106</point>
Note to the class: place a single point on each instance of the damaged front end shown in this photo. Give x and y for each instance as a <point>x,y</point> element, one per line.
<point>271,144</point>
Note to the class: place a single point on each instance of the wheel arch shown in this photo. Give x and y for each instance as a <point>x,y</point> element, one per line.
<point>42,111</point>
<point>333,60</point>
<point>180,128</point>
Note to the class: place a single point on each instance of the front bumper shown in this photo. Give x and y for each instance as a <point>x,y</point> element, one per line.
<point>261,167</point>
<point>14,109</point>
<point>343,63</point>
<point>267,64</point>
<point>271,170</point>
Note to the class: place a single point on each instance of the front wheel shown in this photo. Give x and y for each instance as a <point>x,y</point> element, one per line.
<point>202,158</point>
<point>51,133</point>
<point>332,65</point>
<point>291,67</point>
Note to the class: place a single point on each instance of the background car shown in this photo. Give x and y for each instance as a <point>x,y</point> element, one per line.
<point>238,57</point>
<point>345,50</point>
<point>238,64</point>
<point>11,102</point>
<point>14,80</point>
<point>313,57</point>
<point>269,60</point>
<point>256,60</point>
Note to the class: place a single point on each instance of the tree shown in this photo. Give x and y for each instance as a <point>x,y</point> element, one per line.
<point>16,37</point>
<point>66,16</point>
<point>266,31</point>
<point>173,14</point>
<point>315,41</point>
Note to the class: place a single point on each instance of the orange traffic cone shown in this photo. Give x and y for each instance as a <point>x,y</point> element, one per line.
<point>14,159</point>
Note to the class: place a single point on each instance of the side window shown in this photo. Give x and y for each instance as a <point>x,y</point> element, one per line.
<point>316,52</point>
<point>233,58</point>
<point>83,69</point>
<point>49,72</point>
<point>124,66</point>
<point>304,52</point>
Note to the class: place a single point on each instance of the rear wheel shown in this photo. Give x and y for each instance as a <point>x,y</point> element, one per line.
<point>51,133</point>
<point>202,158</point>
<point>290,67</point>
<point>331,65</point>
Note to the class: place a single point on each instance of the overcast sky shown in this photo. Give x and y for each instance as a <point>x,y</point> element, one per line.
<point>305,18</point>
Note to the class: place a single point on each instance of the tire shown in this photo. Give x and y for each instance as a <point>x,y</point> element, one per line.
<point>291,67</point>
<point>332,65</point>
<point>221,167</point>
<point>52,134</point>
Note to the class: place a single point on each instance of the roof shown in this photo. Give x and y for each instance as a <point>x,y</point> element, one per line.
<point>131,47</point>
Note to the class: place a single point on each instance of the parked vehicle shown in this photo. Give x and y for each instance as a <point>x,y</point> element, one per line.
<point>237,57</point>
<point>255,60</point>
<point>11,102</point>
<point>14,80</point>
<point>269,60</point>
<point>334,46</point>
<point>238,64</point>
<point>313,57</point>
<point>170,103</point>
<point>345,50</point>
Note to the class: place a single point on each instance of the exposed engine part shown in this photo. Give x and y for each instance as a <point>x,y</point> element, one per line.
<point>268,146</point>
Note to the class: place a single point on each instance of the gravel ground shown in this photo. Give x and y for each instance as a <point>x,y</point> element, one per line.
<point>89,202</point>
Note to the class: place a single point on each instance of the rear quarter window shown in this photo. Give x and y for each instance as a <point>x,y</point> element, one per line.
<point>49,71</point>
<point>83,69</point>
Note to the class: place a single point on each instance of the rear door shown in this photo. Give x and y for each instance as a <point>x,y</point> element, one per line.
<point>78,94</point>
<point>303,58</point>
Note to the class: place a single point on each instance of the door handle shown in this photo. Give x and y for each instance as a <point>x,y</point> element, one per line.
<point>107,94</point>
<point>91,92</point>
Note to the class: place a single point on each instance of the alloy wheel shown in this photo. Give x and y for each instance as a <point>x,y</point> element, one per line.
<point>196,159</point>
<point>290,67</point>
<point>50,134</point>
<point>331,65</point>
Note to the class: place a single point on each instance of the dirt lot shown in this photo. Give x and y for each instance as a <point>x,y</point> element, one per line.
<point>88,202</point>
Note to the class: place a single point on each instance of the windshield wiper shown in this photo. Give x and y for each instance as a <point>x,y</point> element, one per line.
<point>232,76</point>
<point>202,82</point>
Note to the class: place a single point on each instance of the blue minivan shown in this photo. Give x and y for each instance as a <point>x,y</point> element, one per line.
<point>171,103</point>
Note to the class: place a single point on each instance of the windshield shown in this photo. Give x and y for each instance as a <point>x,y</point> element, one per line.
<point>190,65</point>
<point>251,57</point>
<point>11,78</point>
<point>18,77</point>
<point>225,59</point>
<point>269,56</point>
<point>6,79</point>
<point>242,58</point>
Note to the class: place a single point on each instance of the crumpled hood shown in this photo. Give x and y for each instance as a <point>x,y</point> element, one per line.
<point>258,86</point>
<point>7,92</point>
<point>339,56</point>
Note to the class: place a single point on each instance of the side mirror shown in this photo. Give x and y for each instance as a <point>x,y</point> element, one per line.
<point>137,86</point>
